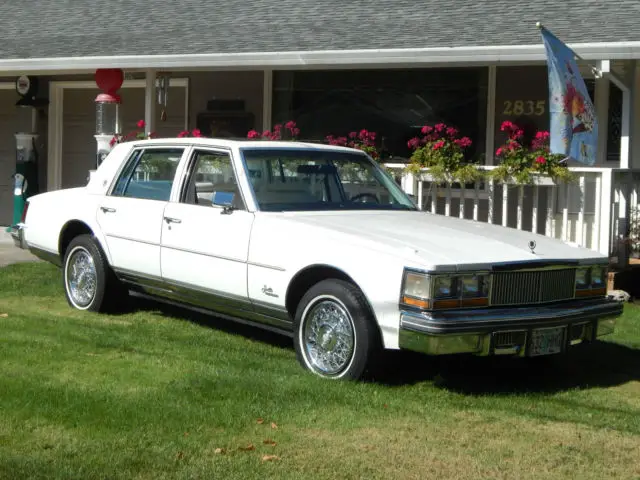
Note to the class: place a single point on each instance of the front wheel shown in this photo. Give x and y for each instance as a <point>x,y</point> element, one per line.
<point>335,333</point>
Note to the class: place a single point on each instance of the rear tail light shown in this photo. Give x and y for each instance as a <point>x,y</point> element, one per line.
<point>24,212</point>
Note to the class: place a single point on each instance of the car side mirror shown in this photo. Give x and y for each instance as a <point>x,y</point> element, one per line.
<point>222,199</point>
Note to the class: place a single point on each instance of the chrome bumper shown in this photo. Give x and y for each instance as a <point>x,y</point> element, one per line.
<point>504,331</point>
<point>17,233</point>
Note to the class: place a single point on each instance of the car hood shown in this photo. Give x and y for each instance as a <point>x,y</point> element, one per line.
<point>436,241</point>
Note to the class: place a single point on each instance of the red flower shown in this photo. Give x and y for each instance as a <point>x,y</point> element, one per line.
<point>295,132</point>
<point>414,143</point>
<point>541,160</point>
<point>353,135</point>
<point>507,126</point>
<point>253,135</point>
<point>196,133</point>
<point>438,145</point>
<point>463,142</point>
<point>290,125</point>
<point>141,124</point>
<point>440,127</point>
<point>452,132</point>
<point>499,152</point>
<point>426,129</point>
<point>184,133</point>
<point>542,135</point>
<point>113,141</point>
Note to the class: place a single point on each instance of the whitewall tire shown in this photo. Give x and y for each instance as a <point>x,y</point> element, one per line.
<point>335,332</point>
<point>89,283</point>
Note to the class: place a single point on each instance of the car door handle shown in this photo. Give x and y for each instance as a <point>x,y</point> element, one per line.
<point>108,209</point>
<point>172,220</point>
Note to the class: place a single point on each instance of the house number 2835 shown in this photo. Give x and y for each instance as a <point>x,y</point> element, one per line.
<point>524,107</point>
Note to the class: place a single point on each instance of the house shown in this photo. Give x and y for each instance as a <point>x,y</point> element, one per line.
<point>390,66</point>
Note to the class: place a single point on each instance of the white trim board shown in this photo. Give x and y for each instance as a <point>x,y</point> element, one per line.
<point>490,54</point>
<point>56,118</point>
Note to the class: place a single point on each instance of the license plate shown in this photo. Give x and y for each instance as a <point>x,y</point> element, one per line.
<point>546,341</point>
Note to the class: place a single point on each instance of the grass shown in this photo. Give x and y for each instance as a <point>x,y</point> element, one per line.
<point>162,393</point>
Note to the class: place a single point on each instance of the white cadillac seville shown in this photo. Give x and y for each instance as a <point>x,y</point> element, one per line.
<point>317,242</point>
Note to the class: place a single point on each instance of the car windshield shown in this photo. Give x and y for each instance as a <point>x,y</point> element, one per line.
<point>298,179</point>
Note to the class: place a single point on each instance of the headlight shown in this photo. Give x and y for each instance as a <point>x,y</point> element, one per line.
<point>582,278</point>
<point>591,281</point>
<point>417,286</point>
<point>433,291</point>
<point>474,286</point>
<point>445,287</point>
<point>598,277</point>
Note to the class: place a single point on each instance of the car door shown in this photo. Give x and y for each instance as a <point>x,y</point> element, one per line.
<point>130,215</point>
<point>205,234</point>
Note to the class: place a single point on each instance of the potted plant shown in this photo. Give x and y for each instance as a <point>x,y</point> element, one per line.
<point>522,163</point>
<point>442,151</point>
<point>286,131</point>
<point>362,140</point>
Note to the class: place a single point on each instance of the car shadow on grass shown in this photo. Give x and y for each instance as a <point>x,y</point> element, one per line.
<point>595,365</point>
<point>250,332</point>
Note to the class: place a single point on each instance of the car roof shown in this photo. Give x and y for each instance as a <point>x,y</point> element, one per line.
<point>232,143</point>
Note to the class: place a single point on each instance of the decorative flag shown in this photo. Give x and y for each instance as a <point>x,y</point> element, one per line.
<point>574,127</point>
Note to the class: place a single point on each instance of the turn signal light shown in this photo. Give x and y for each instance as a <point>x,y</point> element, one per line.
<point>415,302</point>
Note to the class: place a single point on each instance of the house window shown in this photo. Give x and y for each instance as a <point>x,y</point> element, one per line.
<point>393,103</point>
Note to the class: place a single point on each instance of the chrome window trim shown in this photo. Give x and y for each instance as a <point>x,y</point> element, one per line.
<point>133,156</point>
<point>373,163</point>
<point>190,165</point>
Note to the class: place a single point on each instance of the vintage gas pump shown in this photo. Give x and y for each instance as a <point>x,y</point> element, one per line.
<point>25,178</point>
<point>108,102</point>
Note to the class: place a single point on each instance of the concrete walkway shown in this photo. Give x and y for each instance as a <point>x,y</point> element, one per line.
<point>11,254</point>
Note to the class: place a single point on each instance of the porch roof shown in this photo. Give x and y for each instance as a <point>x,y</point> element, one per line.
<point>41,29</point>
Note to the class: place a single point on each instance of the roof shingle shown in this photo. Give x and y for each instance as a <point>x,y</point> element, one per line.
<point>75,28</point>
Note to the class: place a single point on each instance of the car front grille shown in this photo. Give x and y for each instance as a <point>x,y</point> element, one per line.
<point>538,286</point>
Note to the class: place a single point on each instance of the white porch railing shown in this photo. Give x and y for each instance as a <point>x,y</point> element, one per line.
<point>592,212</point>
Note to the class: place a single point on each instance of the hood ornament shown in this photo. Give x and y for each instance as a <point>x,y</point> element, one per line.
<point>532,246</point>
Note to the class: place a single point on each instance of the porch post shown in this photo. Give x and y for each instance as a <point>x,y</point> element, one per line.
<point>150,102</point>
<point>634,141</point>
<point>601,103</point>
<point>491,116</point>
<point>267,99</point>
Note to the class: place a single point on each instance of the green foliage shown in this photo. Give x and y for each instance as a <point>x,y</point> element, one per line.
<point>443,153</point>
<point>163,393</point>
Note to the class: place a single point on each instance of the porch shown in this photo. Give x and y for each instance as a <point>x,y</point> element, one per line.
<point>598,211</point>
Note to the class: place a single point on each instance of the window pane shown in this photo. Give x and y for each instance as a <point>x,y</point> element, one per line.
<point>153,175</point>
<point>394,103</point>
<point>213,172</point>
<point>300,180</point>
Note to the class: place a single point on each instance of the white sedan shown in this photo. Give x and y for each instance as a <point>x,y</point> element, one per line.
<point>317,242</point>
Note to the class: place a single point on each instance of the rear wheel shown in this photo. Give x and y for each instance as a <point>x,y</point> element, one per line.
<point>89,282</point>
<point>335,332</point>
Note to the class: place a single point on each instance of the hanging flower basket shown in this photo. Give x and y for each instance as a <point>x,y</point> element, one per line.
<point>522,164</point>
<point>442,151</point>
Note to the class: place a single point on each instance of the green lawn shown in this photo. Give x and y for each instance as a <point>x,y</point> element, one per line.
<point>162,393</point>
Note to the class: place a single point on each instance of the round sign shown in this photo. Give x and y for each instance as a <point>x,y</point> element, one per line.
<point>23,85</point>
